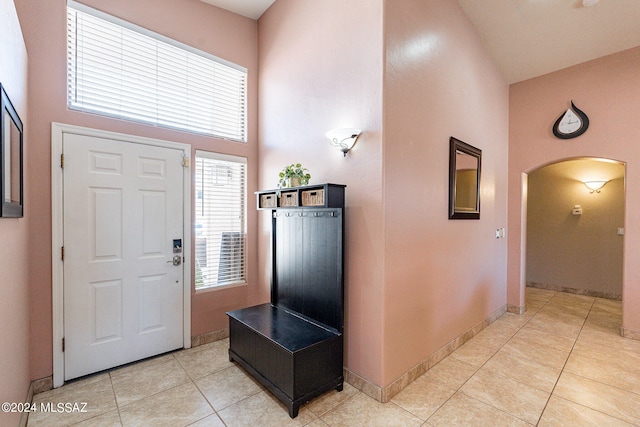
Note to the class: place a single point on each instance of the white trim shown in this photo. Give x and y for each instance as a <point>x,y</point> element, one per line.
<point>108,56</point>
<point>57,233</point>
<point>220,287</point>
<point>219,156</point>
<point>213,222</point>
<point>57,267</point>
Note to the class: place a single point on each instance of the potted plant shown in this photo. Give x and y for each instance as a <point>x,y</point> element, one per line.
<point>293,176</point>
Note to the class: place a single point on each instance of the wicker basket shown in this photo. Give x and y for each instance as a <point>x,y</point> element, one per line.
<point>289,198</point>
<point>313,197</point>
<point>268,200</point>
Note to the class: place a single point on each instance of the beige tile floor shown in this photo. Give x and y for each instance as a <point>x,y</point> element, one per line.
<point>563,363</point>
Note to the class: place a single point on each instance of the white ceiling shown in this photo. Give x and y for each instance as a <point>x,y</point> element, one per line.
<point>528,38</point>
<point>250,8</point>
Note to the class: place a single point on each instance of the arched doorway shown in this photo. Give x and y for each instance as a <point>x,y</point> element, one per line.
<point>574,234</point>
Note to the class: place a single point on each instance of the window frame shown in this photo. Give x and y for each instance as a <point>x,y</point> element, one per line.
<point>244,197</point>
<point>240,127</point>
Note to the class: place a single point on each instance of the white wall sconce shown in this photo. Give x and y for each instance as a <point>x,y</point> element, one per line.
<point>343,139</point>
<point>595,185</point>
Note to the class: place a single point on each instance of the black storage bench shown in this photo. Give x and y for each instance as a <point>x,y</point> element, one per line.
<point>294,344</point>
<point>294,358</point>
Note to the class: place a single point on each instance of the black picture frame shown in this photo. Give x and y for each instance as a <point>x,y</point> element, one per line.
<point>464,180</point>
<point>11,159</point>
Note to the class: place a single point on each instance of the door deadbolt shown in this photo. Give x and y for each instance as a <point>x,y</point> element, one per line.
<point>177,260</point>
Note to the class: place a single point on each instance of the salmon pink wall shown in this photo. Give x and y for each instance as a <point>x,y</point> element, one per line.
<point>607,90</point>
<point>193,22</point>
<point>320,69</point>
<point>441,276</point>
<point>414,279</point>
<point>14,235</point>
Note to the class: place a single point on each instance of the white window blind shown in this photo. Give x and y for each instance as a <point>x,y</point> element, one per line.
<point>220,219</point>
<point>121,70</point>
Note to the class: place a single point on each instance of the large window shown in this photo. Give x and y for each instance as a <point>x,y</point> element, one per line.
<point>220,219</point>
<point>121,70</point>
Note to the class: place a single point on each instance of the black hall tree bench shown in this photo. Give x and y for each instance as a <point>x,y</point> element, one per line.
<point>294,344</point>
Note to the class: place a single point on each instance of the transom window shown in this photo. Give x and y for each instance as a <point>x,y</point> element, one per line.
<point>121,70</point>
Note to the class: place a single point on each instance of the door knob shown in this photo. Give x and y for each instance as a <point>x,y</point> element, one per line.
<point>177,260</point>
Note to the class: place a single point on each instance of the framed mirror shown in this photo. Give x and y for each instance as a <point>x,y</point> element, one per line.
<point>11,160</point>
<point>464,180</point>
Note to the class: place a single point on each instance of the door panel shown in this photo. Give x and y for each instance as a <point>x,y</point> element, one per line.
<point>105,210</point>
<point>123,296</point>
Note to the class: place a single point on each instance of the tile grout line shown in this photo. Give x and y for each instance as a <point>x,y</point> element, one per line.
<point>458,390</point>
<point>510,338</point>
<point>519,329</point>
<point>555,304</point>
<point>320,417</point>
<point>589,379</point>
<point>115,398</point>
<point>203,396</point>
<point>207,400</point>
<point>567,360</point>
<point>120,407</point>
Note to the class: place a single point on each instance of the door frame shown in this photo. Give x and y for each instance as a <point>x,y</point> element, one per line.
<point>57,231</point>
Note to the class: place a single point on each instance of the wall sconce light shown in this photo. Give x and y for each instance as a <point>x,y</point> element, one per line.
<point>595,185</point>
<point>343,139</point>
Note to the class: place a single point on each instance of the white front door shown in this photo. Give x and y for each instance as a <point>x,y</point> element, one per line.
<point>122,216</point>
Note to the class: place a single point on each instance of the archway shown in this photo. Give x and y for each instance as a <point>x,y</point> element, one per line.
<point>574,234</point>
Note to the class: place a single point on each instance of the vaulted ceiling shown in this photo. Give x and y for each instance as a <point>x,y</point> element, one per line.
<point>529,38</point>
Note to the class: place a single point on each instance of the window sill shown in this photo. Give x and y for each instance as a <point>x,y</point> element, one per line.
<point>219,288</point>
